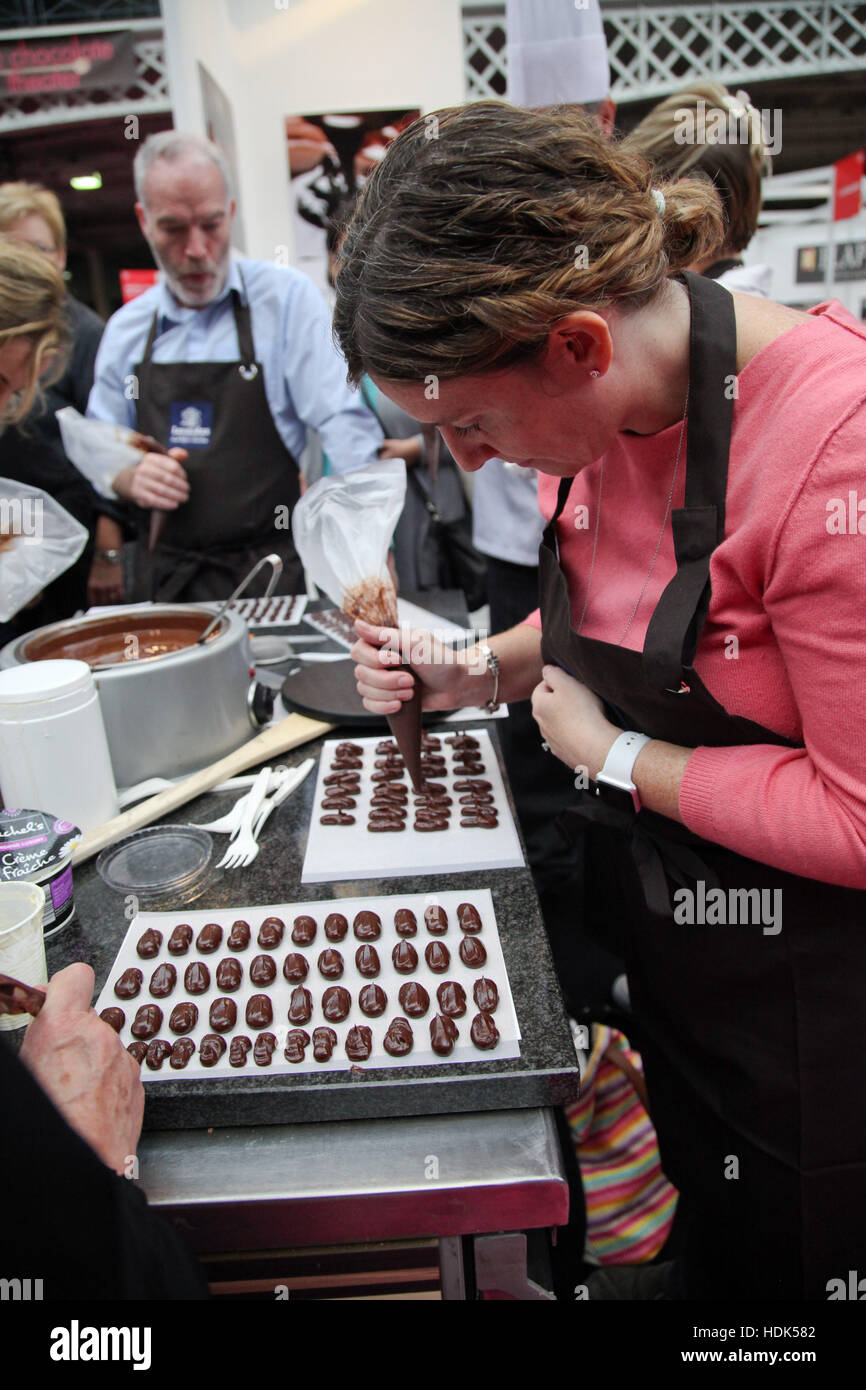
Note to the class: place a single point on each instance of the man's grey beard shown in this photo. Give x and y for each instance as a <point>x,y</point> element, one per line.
<point>176,287</point>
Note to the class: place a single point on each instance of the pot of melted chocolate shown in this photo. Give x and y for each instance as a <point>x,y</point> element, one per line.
<point>414,999</point>
<point>336,1003</point>
<point>398,1040</point>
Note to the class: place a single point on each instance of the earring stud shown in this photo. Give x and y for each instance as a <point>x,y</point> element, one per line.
<point>595,372</point>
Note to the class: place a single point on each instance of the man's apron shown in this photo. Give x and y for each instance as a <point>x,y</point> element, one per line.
<point>754,1043</point>
<point>243,480</point>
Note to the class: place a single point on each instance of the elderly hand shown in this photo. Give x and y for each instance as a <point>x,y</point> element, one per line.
<point>572,721</point>
<point>83,1067</point>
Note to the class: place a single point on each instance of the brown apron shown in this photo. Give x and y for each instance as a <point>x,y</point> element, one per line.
<point>753,1042</point>
<point>243,480</point>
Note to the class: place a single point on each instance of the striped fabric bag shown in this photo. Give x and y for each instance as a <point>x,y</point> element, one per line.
<point>630,1204</point>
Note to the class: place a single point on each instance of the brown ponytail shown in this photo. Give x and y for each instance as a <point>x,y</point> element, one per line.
<point>486,224</point>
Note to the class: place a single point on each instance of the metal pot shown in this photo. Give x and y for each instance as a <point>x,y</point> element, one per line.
<point>170,705</point>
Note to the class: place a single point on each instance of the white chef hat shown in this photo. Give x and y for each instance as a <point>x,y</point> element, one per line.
<point>557,52</point>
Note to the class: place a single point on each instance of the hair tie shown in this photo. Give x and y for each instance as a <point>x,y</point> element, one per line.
<point>659,201</point>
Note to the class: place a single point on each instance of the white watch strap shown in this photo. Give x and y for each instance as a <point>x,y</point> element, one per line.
<point>621,759</point>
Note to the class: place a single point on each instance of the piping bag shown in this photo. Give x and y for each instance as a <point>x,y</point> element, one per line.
<point>342,528</point>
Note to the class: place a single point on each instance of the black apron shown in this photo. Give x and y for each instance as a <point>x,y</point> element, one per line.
<point>753,1042</point>
<point>244,482</point>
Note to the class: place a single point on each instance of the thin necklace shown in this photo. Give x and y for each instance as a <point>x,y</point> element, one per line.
<point>658,542</point>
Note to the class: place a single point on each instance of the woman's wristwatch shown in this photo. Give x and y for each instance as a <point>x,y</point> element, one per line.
<point>110,557</point>
<point>492,665</point>
<point>614,782</point>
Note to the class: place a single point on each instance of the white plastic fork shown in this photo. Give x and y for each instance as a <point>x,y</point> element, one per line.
<point>239,851</point>
<point>230,823</point>
<point>291,782</point>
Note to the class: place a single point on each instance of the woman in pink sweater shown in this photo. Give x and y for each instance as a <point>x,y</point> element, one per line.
<point>698,657</point>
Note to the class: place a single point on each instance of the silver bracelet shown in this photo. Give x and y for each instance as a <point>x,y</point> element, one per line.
<point>492,663</point>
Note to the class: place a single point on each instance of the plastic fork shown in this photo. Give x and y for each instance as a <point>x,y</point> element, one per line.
<point>243,848</point>
<point>230,823</point>
<point>291,782</point>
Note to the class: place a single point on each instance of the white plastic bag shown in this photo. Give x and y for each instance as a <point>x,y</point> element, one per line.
<point>38,541</point>
<point>342,528</point>
<point>100,449</point>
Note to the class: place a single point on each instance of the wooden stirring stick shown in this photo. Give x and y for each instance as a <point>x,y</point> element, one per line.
<point>18,998</point>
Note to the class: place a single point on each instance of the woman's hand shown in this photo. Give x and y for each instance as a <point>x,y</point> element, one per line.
<point>157,481</point>
<point>407,449</point>
<point>572,721</point>
<point>443,673</point>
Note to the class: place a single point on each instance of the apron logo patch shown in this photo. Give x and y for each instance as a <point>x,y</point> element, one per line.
<point>190,424</point>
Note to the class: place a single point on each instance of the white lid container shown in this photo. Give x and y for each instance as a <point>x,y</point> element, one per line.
<point>53,749</point>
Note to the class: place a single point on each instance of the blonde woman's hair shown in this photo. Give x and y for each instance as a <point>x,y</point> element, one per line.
<point>484,225</point>
<point>19,200</point>
<point>32,308</point>
<point>706,130</point>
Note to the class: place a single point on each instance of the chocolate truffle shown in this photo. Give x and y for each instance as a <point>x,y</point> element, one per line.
<point>239,936</point>
<point>223,1015</point>
<point>181,1053</point>
<point>196,978</point>
<point>157,1052</point>
<point>336,926</point>
<point>209,938</point>
<point>295,966</point>
<point>336,1003</point>
<point>367,926</point>
<point>264,1048</point>
<point>404,958</point>
<point>372,1001</point>
<point>300,1005</point>
<point>115,1018</point>
<point>163,981</point>
<point>184,1017</point>
<point>405,922</point>
<point>438,957</point>
<point>229,974</point>
<point>324,1042</point>
<point>211,1049</point>
<point>263,970</point>
<point>259,1011</point>
<point>484,1032</point>
<point>436,919</point>
<point>398,1040</point>
<point>129,984</point>
<point>486,996</point>
<point>354,750</point>
<point>359,1043</point>
<point>304,931</point>
<point>238,1049</point>
<point>330,964</point>
<point>271,933</point>
<point>469,918</point>
<point>296,1041</point>
<point>138,1050</point>
<point>147,1021</point>
<point>180,940</point>
<point>337,818</point>
<point>452,999</point>
<point>443,1035</point>
<point>472,952</point>
<point>149,944</point>
<point>414,999</point>
<point>367,961</point>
